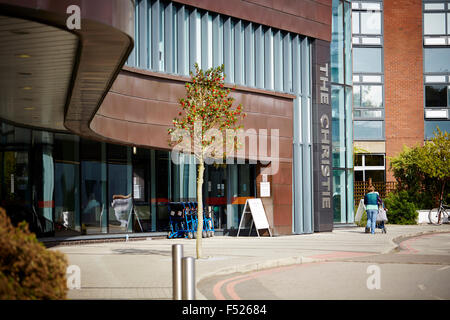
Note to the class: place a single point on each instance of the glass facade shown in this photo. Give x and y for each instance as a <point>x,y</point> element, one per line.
<point>69,184</point>
<point>436,66</point>
<point>171,37</point>
<point>368,87</point>
<point>342,106</point>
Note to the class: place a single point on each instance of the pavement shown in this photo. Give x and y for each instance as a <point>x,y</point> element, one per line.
<point>143,269</point>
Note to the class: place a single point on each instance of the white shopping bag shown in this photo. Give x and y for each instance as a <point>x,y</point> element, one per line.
<point>381,216</point>
<point>360,211</point>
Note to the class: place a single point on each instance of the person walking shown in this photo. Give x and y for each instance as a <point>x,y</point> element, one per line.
<point>371,201</point>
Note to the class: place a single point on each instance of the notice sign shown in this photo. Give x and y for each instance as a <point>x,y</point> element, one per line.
<point>264,189</point>
<point>254,210</point>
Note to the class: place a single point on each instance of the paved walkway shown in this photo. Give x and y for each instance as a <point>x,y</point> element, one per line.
<point>143,269</point>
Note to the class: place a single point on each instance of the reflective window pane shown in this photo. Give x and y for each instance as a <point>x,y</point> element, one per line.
<point>374,160</point>
<point>349,127</point>
<point>357,96</point>
<point>358,160</point>
<point>430,127</point>
<point>93,187</point>
<point>371,96</point>
<point>434,23</point>
<point>359,176</point>
<point>375,175</point>
<point>436,59</point>
<point>448,96</point>
<point>338,126</point>
<point>337,44</point>
<point>368,130</point>
<point>448,23</point>
<point>348,43</point>
<point>119,189</point>
<point>370,22</point>
<point>371,113</point>
<point>355,22</point>
<point>67,177</point>
<point>339,196</point>
<point>435,96</point>
<point>367,60</point>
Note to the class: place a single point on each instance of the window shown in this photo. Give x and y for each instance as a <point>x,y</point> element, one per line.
<point>373,160</point>
<point>355,22</point>
<point>370,166</point>
<point>368,130</point>
<point>370,22</point>
<point>367,21</point>
<point>368,96</point>
<point>367,60</point>
<point>430,127</point>
<point>436,96</point>
<point>437,60</point>
<point>434,23</point>
<point>368,114</point>
<point>371,96</point>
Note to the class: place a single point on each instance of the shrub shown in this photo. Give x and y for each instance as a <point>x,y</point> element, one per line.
<point>27,269</point>
<point>400,208</point>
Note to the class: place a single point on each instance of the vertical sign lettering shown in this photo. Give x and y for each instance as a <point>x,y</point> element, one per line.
<point>325,138</point>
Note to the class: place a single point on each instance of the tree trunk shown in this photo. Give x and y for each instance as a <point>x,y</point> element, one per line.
<point>201,169</point>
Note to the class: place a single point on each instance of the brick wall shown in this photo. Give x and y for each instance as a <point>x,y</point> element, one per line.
<point>403,69</point>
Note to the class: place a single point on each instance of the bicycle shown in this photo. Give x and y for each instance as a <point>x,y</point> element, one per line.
<point>440,214</point>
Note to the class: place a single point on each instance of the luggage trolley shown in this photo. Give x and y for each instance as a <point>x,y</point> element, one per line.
<point>208,226</point>
<point>178,225</point>
<point>208,223</point>
<point>191,220</point>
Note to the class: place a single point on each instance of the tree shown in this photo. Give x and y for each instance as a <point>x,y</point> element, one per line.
<point>207,115</point>
<point>424,171</point>
<point>435,161</point>
<point>406,169</point>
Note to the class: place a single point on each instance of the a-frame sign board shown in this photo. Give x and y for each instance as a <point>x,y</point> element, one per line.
<point>254,210</point>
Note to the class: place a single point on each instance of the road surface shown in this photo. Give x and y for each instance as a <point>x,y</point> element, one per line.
<point>420,269</point>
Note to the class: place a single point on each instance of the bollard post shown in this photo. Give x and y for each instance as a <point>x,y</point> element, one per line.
<point>188,278</point>
<point>177,255</point>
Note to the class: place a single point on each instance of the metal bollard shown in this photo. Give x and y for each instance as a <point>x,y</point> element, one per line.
<point>188,290</point>
<point>177,255</point>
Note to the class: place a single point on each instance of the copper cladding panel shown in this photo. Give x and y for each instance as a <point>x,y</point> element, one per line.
<point>307,17</point>
<point>139,109</point>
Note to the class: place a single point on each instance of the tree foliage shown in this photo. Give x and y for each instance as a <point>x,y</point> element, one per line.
<point>207,116</point>
<point>424,171</point>
<point>435,159</point>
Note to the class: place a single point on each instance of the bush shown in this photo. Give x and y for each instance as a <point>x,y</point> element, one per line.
<point>401,210</point>
<point>27,269</point>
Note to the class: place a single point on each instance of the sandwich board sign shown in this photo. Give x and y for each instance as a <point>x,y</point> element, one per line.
<point>254,210</point>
